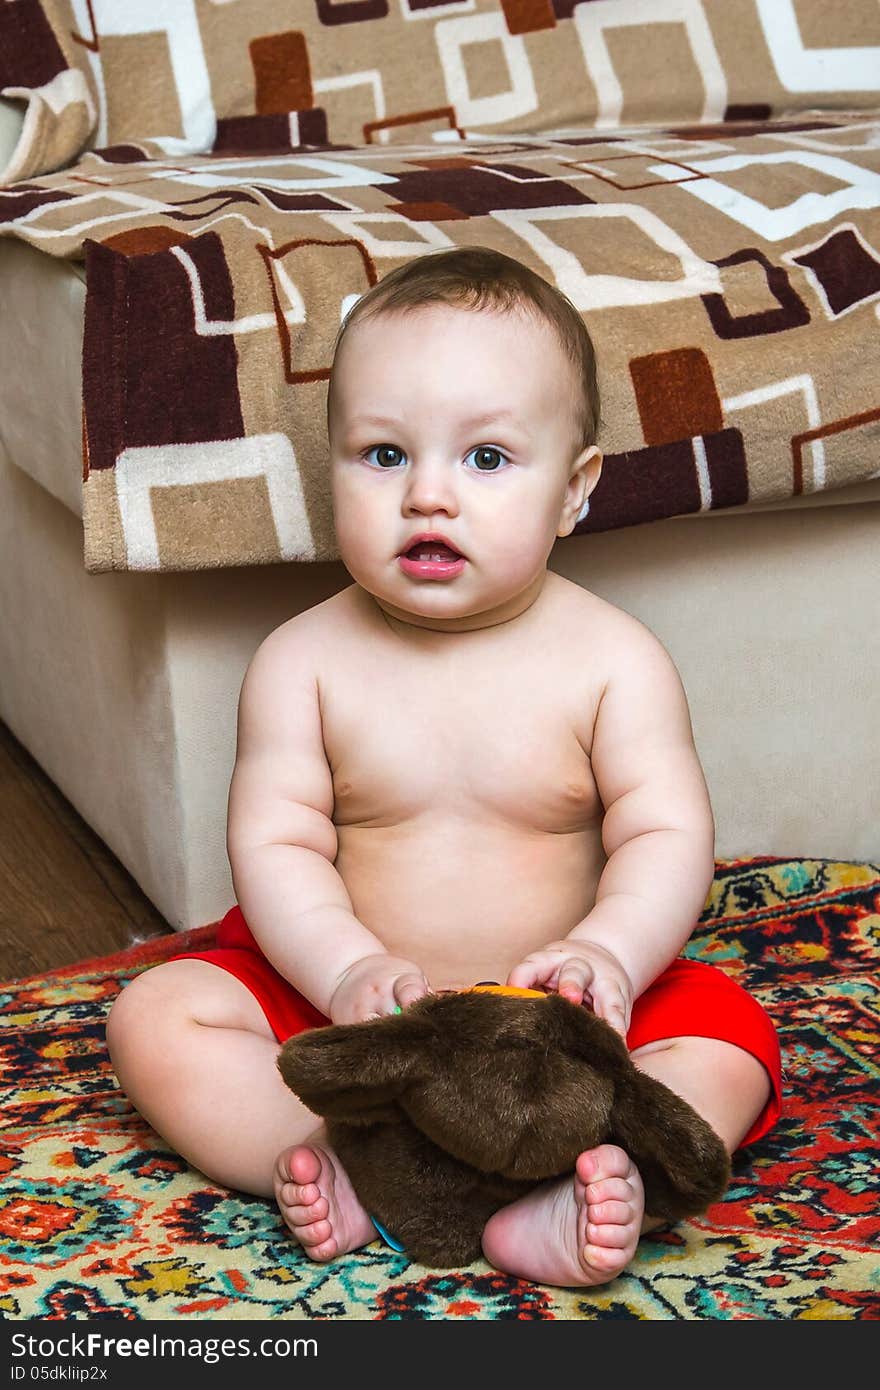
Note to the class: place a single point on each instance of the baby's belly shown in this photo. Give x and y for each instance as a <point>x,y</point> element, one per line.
<point>468,900</point>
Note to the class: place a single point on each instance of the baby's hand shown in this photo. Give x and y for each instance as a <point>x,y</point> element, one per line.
<point>374,986</point>
<point>582,972</point>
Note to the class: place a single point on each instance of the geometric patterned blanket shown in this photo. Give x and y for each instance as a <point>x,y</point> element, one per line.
<point>233,191</point>
<point>729,277</point>
<point>98,1218</point>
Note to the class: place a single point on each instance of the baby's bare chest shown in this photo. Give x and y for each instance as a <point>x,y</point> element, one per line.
<point>481,742</point>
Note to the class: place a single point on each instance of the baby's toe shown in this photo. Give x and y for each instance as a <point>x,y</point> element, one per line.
<point>604,1261</point>
<point>615,1213</point>
<point>606,1161</point>
<point>299,1164</point>
<point>610,1237</point>
<point>292,1192</point>
<point>314,1232</point>
<point>325,1251</point>
<point>624,1190</point>
<point>303,1194</point>
<point>303,1214</point>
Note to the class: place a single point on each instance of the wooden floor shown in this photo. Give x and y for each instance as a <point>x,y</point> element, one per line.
<point>65,897</point>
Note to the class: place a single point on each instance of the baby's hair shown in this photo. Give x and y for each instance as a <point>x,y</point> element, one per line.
<point>477,277</point>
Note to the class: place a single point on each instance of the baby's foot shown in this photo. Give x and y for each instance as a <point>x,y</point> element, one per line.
<point>318,1202</point>
<point>571,1233</point>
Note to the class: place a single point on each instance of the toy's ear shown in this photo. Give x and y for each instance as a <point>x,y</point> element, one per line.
<point>683,1163</point>
<point>355,1071</point>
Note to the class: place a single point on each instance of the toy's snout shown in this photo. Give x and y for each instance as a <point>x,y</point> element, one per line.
<point>505,1096</point>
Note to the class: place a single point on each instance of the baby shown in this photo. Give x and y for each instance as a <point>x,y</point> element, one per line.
<point>461,767</point>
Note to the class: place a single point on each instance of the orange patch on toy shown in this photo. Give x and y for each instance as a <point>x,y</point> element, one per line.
<point>507,989</point>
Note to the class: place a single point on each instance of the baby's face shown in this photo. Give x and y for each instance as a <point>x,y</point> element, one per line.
<point>456,424</point>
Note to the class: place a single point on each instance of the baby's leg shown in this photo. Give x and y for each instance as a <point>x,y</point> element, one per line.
<point>586,1231</point>
<point>724,1083</point>
<point>195,1054</point>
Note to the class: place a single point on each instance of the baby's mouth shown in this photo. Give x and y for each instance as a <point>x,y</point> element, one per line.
<point>432,550</point>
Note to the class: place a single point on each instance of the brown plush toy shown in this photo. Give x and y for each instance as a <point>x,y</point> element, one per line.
<point>468,1099</point>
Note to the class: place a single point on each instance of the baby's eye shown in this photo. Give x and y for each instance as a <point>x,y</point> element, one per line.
<point>487,459</point>
<point>383,451</point>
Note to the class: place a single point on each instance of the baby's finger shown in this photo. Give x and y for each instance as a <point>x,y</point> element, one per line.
<point>534,970</point>
<point>409,988</point>
<point>574,976</point>
<point>609,1003</point>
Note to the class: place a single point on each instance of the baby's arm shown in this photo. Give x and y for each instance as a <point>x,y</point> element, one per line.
<point>282,844</point>
<point>658,833</point>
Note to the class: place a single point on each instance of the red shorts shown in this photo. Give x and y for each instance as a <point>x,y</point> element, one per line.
<point>690,999</point>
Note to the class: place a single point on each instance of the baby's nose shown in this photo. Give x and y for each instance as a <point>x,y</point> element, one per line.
<point>431,488</point>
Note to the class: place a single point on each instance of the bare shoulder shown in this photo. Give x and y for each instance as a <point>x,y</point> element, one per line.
<point>641,701</point>
<point>302,638</point>
<point>615,641</point>
<point>283,676</point>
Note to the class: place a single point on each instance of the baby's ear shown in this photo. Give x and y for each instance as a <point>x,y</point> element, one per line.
<point>683,1163</point>
<point>355,1071</point>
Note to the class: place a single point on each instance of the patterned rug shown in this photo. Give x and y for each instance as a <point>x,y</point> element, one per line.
<point>99,1219</point>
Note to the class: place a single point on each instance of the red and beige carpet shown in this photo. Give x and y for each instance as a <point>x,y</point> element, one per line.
<point>98,1219</point>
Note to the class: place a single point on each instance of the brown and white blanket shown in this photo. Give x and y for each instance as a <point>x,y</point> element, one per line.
<point>726,261</point>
